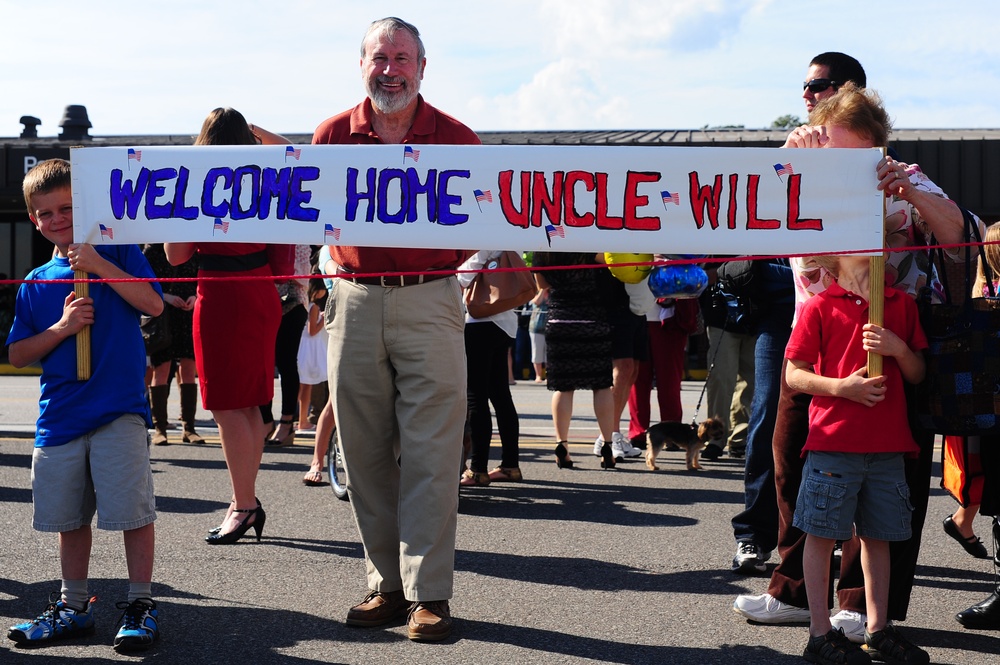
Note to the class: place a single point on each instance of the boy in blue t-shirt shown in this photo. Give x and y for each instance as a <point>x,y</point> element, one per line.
<point>91,444</point>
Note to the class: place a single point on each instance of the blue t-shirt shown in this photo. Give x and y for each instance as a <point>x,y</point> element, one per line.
<point>69,408</point>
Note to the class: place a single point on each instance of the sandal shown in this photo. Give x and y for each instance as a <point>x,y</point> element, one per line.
<point>281,441</point>
<point>506,475</point>
<point>474,479</point>
<point>312,478</point>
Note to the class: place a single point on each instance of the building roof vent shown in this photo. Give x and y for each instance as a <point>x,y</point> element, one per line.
<point>75,123</point>
<point>30,123</point>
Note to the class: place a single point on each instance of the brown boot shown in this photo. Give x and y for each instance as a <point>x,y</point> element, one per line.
<point>158,399</point>
<point>189,406</point>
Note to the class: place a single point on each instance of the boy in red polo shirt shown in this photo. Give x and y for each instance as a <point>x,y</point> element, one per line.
<point>853,477</point>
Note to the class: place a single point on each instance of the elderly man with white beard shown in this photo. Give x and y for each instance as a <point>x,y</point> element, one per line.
<point>397,363</point>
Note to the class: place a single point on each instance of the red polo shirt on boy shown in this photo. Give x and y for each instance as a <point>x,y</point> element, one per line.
<point>828,336</point>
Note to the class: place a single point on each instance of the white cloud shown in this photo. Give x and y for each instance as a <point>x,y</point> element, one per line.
<point>143,68</point>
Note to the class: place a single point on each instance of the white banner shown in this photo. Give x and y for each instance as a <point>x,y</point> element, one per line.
<point>674,200</point>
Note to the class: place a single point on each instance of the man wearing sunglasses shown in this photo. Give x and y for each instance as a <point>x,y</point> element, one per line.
<point>785,600</point>
<point>827,72</point>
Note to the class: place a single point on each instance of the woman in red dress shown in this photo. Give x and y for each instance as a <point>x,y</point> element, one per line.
<point>235,325</point>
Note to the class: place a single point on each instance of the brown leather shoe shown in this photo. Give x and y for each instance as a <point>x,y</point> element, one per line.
<point>430,621</point>
<point>378,608</point>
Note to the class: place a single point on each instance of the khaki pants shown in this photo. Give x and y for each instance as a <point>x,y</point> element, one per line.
<point>398,382</point>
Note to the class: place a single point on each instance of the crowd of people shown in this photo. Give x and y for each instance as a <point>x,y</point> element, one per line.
<point>411,375</point>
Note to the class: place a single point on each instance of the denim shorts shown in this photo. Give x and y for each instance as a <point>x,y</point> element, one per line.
<point>846,492</point>
<point>105,471</point>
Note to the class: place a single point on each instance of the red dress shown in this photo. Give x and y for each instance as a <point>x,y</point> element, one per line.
<point>235,326</point>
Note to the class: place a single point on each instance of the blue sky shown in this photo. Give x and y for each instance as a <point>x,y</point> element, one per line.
<point>159,68</point>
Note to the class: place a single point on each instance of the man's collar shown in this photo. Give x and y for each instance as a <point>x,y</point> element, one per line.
<point>424,122</point>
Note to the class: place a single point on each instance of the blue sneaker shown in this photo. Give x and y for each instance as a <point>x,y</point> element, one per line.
<point>58,621</point>
<point>139,625</point>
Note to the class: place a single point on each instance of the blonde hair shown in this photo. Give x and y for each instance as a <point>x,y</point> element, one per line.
<point>831,262</point>
<point>858,110</point>
<point>992,255</point>
<point>45,177</point>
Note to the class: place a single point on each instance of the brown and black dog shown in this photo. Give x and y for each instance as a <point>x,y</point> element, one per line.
<point>687,436</point>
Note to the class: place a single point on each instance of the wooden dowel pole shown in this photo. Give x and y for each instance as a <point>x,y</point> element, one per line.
<point>82,290</point>
<point>876,294</point>
<point>876,306</point>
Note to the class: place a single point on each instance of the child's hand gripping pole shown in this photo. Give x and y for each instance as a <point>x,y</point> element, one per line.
<point>82,290</point>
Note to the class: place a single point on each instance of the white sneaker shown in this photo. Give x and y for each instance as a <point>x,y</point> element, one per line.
<point>619,442</point>
<point>852,623</point>
<point>598,444</point>
<point>765,608</point>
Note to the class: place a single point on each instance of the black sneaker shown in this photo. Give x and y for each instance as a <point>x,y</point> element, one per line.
<point>889,646</point>
<point>834,649</point>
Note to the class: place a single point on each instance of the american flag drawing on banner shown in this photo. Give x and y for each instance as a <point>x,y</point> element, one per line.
<point>783,169</point>
<point>107,232</point>
<point>553,231</point>
<point>294,153</point>
<point>135,154</point>
<point>674,198</point>
<point>483,195</point>
<point>331,232</point>
<point>220,226</point>
<point>408,151</point>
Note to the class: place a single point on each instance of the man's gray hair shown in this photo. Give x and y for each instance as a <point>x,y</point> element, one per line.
<point>388,27</point>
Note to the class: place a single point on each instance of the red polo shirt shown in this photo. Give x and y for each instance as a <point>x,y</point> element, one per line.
<point>430,126</point>
<point>828,336</point>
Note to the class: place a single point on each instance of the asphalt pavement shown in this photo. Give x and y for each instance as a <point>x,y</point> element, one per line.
<point>570,566</point>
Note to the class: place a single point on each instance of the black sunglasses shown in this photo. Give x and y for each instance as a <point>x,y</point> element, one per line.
<point>819,85</point>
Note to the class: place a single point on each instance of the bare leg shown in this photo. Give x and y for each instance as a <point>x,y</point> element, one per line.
<point>562,412</point>
<point>625,370</point>
<point>324,430</point>
<point>305,395</point>
<point>816,571</point>
<point>139,544</point>
<point>963,519</point>
<point>242,433</point>
<point>74,552</point>
<point>604,406</point>
<point>875,563</point>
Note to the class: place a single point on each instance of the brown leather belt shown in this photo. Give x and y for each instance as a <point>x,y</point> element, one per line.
<point>392,280</point>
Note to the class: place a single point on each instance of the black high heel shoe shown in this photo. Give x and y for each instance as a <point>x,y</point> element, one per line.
<point>607,457</point>
<point>229,538</point>
<point>561,455</point>
<point>219,528</point>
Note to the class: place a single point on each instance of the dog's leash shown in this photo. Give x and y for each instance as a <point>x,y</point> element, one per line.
<point>711,366</point>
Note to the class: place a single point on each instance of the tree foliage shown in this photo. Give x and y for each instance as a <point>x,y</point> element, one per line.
<point>786,122</point>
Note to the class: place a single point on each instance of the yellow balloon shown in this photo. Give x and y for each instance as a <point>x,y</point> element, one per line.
<point>628,274</point>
